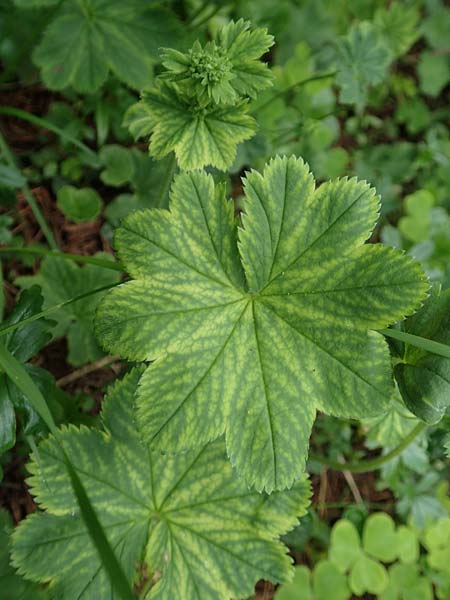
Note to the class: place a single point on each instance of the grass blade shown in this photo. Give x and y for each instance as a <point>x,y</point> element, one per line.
<point>418,342</point>
<point>23,381</point>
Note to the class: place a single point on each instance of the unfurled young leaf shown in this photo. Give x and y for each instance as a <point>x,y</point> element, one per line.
<point>88,39</point>
<point>198,107</point>
<point>424,378</point>
<point>363,58</point>
<point>61,280</point>
<point>225,69</point>
<point>187,521</point>
<point>251,337</point>
<point>198,137</point>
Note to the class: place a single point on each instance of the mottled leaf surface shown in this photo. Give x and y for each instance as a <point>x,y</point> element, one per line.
<point>198,137</point>
<point>251,338</point>
<point>187,517</point>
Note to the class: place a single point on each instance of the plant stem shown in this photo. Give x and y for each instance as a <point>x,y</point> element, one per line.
<point>25,116</point>
<point>90,260</point>
<point>171,167</point>
<point>293,86</point>
<point>375,463</point>
<point>418,342</point>
<point>86,369</point>
<point>5,150</point>
<point>50,309</point>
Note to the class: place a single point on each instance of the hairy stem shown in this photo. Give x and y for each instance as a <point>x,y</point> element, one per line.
<point>293,86</point>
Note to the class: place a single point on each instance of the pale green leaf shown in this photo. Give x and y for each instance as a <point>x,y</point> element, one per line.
<point>329,582</point>
<point>379,537</point>
<point>368,575</point>
<point>256,355</point>
<point>363,58</point>
<point>297,589</point>
<point>345,546</point>
<point>198,137</point>
<point>186,517</point>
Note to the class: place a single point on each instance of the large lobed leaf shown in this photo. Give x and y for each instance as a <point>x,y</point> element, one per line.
<point>187,518</point>
<point>251,338</point>
<point>88,38</point>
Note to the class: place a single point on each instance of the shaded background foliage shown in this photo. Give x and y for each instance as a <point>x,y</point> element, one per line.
<point>359,88</point>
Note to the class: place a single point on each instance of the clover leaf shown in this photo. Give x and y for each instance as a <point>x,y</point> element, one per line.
<point>252,337</point>
<point>424,378</point>
<point>89,38</point>
<point>186,518</point>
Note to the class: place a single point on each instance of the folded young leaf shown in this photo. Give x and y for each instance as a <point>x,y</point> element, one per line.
<point>187,519</point>
<point>251,338</point>
<point>424,378</point>
<point>225,69</point>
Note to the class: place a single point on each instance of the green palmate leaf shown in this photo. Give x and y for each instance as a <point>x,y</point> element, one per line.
<point>61,280</point>
<point>363,58</point>
<point>186,517</point>
<point>252,338</point>
<point>118,163</point>
<point>391,427</point>
<point>398,26</point>
<point>198,137</point>
<point>88,38</point>
<point>225,69</point>
<point>424,378</point>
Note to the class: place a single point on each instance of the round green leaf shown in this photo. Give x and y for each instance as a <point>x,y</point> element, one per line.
<point>379,537</point>
<point>79,205</point>
<point>368,575</point>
